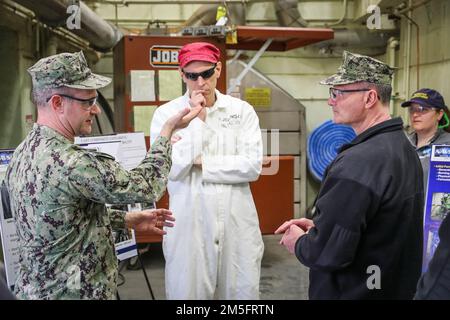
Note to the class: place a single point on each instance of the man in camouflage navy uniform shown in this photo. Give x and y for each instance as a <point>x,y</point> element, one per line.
<point>365,237</point>
<point>58,190</point>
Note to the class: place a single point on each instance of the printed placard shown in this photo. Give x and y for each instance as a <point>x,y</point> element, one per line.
<point>437,204</point>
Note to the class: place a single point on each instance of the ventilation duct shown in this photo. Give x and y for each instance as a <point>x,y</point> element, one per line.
<point>364,41</point>
<point>288,14</point>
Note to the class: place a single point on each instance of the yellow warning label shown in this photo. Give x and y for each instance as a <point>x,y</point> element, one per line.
<point>231,37</point>
<point>259,97</point>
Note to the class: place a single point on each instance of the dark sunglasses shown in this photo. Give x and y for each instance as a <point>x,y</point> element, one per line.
<point>204,74</point>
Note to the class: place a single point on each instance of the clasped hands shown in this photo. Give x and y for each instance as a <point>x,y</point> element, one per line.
<point>293,230</point>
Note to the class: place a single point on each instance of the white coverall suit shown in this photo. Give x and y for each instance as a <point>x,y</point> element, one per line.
<point>215,248</point>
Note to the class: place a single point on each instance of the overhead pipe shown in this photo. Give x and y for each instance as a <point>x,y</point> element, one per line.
<point>288,15</point>
<point>341,19</point>
<point>407,14</point>
<point>101,35</point>
<point>412,7</point>
<point>417,48</point>
<point>370,43</point>
<point>406,64</point>
<point>393,44</point>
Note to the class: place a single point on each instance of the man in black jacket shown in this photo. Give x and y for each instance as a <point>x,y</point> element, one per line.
<point>365,238</point>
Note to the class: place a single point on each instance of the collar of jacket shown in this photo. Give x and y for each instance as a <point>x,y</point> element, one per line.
<point>385,126</point>
<point>50,133</point>
<point>413,137</point>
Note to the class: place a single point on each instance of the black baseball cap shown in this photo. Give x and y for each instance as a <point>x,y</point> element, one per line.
<point>426,98</point>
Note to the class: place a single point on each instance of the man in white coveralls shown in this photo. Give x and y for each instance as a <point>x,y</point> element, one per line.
<point>216,248</point>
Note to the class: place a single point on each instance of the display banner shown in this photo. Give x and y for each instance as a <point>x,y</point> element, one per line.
<point>10,240</point>
<point>437,204</point>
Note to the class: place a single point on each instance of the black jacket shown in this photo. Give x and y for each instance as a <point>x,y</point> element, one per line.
<point>369,212</point>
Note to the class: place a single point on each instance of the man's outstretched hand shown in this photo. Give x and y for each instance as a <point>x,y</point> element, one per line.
<point>152,220</point>
<point>180,120</point>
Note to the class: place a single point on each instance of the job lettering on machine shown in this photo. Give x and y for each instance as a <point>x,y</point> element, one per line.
<point>164,56</point>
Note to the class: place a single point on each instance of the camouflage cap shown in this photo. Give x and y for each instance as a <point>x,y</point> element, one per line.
<point>68,70</point>
<point>357,68</point>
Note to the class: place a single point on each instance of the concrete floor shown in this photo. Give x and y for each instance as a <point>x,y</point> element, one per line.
<point>282,275</point>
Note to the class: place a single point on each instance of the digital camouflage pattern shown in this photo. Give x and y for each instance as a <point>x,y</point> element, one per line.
<point>356,68</point>
<point>58,192</point>
<point>65,69</point>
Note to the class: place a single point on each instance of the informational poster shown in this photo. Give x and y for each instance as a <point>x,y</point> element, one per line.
<point>437,204</point>
<point>10,240</point>
<point>170,85</point>
<point>142,117</point>
<point>129,150</point>
<point>142,85</point>
<point>5,158</point>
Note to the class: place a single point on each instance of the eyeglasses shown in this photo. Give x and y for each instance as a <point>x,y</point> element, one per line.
<point>87,104</point>
<point>204,74</point>
<point>419,109</point>
<point>335,93</point>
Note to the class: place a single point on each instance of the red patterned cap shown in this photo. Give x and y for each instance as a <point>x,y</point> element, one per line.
<point>198,51</point>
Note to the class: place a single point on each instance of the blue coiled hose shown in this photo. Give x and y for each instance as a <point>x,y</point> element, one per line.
<point>323,145</point>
